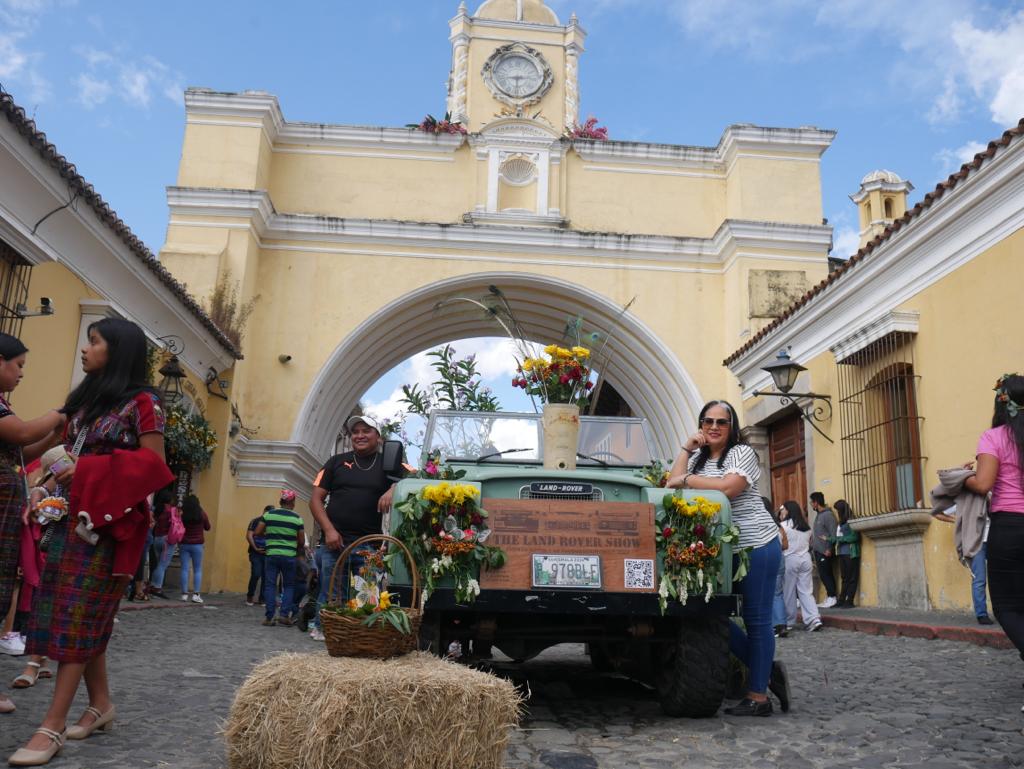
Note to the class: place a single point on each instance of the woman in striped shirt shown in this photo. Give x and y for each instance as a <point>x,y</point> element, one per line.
<point>716,459</point>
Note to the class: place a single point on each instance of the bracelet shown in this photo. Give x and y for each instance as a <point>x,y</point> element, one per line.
<point>685,479</point>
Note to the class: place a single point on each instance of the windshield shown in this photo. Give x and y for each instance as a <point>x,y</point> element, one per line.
<point>518,438</point>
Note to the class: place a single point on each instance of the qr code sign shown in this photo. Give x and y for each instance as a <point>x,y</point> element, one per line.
<point>639,574</point>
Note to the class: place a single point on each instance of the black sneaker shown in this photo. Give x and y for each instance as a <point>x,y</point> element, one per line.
<point>781,631</point>
<point>778,684</point>
<point>747,707</point>
<point>984,619</point>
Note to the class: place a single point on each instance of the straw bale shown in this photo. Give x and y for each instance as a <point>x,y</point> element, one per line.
<point>312,711</point>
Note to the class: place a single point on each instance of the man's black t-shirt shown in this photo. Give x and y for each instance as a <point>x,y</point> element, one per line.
<point>355,485</point>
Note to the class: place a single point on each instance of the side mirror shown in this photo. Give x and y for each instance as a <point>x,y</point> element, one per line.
<point>391,459</point>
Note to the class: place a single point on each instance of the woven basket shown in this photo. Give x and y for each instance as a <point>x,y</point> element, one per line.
<point>349,637</point>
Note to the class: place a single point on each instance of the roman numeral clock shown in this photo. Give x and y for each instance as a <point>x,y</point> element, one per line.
<point>517,75</point>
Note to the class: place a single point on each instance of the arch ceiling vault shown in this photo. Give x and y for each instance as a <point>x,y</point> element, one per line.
<point>644,371</point>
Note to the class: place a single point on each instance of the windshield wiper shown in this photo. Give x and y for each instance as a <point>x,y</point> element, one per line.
<point>499,453</point>
<point>593,459</point>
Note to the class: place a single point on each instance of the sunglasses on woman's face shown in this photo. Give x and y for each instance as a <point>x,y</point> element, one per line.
<point>708,422</point>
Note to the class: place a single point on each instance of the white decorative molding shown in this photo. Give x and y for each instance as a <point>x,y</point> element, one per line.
<point>734,239</point>
<point>545,76</point>
<point>891,322</point>
<point>514,219</point>
<point>274,464</point>
<point>982,210</point>
<point>518,169</point>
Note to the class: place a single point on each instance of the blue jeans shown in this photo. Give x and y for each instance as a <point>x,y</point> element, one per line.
<point>978,582</point>
<point>255,574</point>
<point>778,602</point>
<point>272,566</point>
<point>164,553</point>
<point>326,560</point>
<point>756,647</point>
<point>191,554</point>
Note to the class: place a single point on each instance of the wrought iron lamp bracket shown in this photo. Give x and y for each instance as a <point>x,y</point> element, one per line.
<point>812,413</point>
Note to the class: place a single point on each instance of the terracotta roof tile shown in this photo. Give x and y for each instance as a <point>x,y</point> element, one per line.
<point>85,191</point>
<point>940,189</point>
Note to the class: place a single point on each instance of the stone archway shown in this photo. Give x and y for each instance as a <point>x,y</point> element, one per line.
<point>642,368</point>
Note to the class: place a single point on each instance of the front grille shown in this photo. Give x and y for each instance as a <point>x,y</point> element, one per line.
<point>525,492</point>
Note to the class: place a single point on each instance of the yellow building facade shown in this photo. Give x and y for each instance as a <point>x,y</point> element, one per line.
<point>905,341</point>
<point>350,235</point>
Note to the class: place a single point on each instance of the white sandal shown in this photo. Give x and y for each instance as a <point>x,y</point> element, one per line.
<point>26,757</point>
<point>25,680</point>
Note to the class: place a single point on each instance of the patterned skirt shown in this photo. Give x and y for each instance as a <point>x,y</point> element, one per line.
<point>74,607</point>
<point>12,504</point>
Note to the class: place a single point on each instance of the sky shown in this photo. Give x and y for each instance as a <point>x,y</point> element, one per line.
<point>915,87</point>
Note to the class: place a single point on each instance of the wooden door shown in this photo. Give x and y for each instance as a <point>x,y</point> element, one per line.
<point>786,452</point>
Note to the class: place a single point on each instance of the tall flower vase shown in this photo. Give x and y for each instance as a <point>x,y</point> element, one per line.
<point>561,435</point>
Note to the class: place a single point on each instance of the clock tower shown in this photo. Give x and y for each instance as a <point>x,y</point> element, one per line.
<point>514,58</point>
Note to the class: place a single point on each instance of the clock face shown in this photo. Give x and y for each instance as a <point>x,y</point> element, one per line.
<point>518,75</point>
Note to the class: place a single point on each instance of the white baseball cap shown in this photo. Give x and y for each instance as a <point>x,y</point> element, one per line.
<point>366,420</point>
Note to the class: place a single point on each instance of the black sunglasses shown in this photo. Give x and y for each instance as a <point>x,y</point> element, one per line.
<point>708,421</point>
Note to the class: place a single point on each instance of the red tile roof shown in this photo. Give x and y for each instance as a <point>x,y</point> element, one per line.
<point>940,189</point>
<point>85,191</point>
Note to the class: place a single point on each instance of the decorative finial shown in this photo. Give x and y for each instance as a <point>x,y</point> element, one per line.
<point>573,19</point>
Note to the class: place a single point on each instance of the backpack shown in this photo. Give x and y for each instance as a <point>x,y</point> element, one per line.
<point>176,532</point>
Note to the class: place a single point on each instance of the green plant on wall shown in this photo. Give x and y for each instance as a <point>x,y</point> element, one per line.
<point>189,440</point>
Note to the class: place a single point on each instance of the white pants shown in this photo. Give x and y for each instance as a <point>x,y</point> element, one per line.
<point>798,587</point>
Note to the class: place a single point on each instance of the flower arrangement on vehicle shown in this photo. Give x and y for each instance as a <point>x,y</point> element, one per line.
<point>371,604</point>
<point>562,375</point>
<point>654,473</point>
<point>689,539</point>
<point>446,530</point>
<point>435,468</point>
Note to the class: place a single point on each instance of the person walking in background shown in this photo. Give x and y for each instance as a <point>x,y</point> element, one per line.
<point>716,459</point>
<point>847,547</point>
<point>163,551</point>
<point>285,537</point>
<point>821,547</point>
<point>257,556</point>
<point>1000,459</point>
<point>799,587</point>
<point>779,602</point>
<point>197,523</point>
<point>114,436</point>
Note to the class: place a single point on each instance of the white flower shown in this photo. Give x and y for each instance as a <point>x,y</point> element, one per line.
<point>435,566</point>
<point>700,577</point>
<point>474,587</point>
<point>663,588</point>
<point>446,561</point>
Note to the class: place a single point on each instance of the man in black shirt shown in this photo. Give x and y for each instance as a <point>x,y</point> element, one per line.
<point>359,494</point>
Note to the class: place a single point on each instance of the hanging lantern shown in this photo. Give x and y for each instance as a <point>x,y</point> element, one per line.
<point>170,385</point>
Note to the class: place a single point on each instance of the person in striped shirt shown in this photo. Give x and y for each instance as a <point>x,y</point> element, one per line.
<point>284,532</point>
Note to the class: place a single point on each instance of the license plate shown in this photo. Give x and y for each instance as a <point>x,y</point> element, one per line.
<point>575,571</point>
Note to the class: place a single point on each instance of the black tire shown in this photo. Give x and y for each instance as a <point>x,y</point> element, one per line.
<point>693,672</point>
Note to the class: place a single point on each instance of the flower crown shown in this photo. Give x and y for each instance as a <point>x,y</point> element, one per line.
<point>1012,408</point>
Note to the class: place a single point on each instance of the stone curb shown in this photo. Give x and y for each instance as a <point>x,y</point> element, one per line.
<point>995,639</point>
<point>162,604</point>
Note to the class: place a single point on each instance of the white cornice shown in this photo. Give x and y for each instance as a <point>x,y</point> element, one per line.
<point>274,464</point>
<point>890,323</point>
<point>978,213</point>
<point>202,207</point>
<point>882,186</point>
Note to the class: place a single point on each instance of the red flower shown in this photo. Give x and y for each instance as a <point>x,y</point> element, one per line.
<point>590,385</point>
<point>563,379</point>
<point>699,531</point>
<point>666,532</point>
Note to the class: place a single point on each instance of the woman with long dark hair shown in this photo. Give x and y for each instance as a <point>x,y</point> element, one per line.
<point>847,546</point>
<point>114,436</point>
<point>798,587</point>
<point>16,439</point>
<point>1001,470</point>
<point>163,501</point>
<point>715,458</point>
<point>191,547</point>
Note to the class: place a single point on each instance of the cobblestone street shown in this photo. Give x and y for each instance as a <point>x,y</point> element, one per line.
<point>860,701</point>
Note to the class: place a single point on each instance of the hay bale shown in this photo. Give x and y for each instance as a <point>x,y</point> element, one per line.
<point>312,711</point>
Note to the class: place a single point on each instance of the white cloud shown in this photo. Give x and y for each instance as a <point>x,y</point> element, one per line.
<point>18,63</point>
<point>951,159</point>
<point>134,81</point>
<point>992,64</point>
<point>846,241</point>
<point>134,86</point>
<point>92,91</point>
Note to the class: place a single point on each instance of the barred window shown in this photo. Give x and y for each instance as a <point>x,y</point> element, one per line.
<point>15,271</point>
<point>881,426</point>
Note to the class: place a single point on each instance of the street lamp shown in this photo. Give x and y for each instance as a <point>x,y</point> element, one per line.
<point>784,372</point>
<point>170,385</point>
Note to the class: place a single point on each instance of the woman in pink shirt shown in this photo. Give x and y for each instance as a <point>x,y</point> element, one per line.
<point>1001,471</point>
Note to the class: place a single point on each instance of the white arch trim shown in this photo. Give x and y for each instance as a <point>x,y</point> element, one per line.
<point>642,368</point>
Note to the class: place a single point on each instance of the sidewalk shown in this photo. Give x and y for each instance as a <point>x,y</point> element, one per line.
<point>950,626</point>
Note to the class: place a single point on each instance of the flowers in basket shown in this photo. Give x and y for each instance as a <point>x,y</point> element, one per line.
<point>690,538</point>
<point>562,375</point>
<point>370,603</point>
<point>446,530</point>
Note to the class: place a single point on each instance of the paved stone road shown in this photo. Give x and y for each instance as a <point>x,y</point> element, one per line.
<point>861,701</point>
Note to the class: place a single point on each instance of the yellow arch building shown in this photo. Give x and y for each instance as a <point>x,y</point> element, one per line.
<point>350,235</point>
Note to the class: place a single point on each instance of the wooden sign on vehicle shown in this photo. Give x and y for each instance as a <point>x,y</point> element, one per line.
<point>621,533</point>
